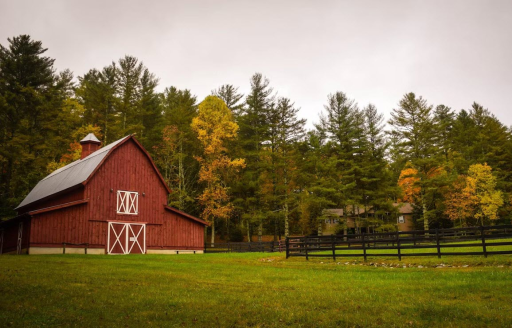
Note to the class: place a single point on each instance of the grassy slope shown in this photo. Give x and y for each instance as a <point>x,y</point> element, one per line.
<point>251,290</point>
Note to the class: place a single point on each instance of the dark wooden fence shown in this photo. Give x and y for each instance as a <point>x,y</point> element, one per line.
<point>244,247</point>
<point>399,244</point>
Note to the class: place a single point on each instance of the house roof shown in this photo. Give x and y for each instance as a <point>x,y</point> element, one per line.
<point>76,173</point>
<point>403,208</point>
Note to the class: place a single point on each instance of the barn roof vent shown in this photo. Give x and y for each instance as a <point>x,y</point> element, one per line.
<point>89,145</point>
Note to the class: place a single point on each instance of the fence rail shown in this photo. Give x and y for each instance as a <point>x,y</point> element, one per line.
<point>244,247</point>
<point>399,244</point>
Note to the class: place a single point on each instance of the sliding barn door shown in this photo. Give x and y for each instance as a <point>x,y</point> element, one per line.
<point>126,238</point>
<point>136,238</point>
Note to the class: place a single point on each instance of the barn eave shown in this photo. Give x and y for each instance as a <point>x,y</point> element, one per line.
<point>188,216</point>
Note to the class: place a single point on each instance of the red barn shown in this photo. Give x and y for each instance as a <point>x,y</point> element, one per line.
<point>112,201</point>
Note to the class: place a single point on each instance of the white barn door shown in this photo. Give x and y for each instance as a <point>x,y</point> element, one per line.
<point>126,238</point>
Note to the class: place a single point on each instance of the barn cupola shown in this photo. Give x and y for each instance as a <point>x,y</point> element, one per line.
<point>89,145</point>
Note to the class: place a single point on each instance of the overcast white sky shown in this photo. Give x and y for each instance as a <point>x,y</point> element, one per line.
<point>450,52</point>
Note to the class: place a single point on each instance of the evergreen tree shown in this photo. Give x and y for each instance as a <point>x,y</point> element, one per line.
<point>413,125</point>
<point>31,101</point>
<point>97,92</point>
<point>181,169</point>
<point>229,94</point>
<point>444,119</point>
<point>253,136</point>
<point>285,130</point>
<point>343,126</point>
<point>377,185</point>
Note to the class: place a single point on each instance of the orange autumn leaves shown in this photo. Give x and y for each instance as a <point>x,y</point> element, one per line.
<point>470,198</point>
<point>409,182</point>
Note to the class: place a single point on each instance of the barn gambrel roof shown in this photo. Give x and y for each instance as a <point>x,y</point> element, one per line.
<point>76,173</point>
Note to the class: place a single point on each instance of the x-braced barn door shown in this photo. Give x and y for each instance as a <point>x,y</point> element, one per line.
<point>126,238</point>
<point>136,238</point>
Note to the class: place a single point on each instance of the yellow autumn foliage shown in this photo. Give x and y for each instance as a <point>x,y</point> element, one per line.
<point>214,125</point>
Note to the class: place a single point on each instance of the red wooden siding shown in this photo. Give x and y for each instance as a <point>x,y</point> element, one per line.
<point>65,225</point>
<point>176,233</point>
<point>70,196</point>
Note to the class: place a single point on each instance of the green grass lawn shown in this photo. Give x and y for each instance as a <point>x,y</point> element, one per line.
<point>262,290</point>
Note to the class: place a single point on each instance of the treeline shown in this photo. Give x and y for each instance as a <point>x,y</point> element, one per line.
<point>263,172</point>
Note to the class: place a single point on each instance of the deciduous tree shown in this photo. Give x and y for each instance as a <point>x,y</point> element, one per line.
<point>214,126</point>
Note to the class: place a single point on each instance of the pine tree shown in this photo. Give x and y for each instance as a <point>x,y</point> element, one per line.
<point>343,126</point>
<point>229,94</point>
<point>285,130</point>
<point>31,100</point>
<point>377,183</point>
<point>413,125</point>
<point>444,119</point>
<point>149,110</point>
<point>97,92</point>
<point>179,109</point>
<point>253,136</point>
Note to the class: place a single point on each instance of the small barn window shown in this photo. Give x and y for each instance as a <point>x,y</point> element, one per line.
<point>401,219</point>
<point>127,202</point>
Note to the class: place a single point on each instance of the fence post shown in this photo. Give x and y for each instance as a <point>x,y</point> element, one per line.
<point>414,238</point>
<point>482,234</point>
<point>364,245</point>
<point>333,238</point>
<point>306,247</point>
<point>86,245</point>
<point>63,248</point>
<point>437,243</point>
<point>398,246</point>
<point>287,245</point>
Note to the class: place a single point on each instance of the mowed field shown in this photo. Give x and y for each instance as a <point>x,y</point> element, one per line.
<point>255,290</point>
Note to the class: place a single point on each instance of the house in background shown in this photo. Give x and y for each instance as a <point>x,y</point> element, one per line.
<point>356,219</point>
<point>113,201</point>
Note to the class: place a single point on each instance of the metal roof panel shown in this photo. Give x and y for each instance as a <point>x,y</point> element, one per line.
<point>68,176</point>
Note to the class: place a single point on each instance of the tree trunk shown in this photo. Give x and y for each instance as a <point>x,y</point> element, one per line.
<point>286,224</point>
<point>425,218</point>
<point>345,230</point>
<point>181,175</point>
<point>248,231</point>
<point>260,230</point>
